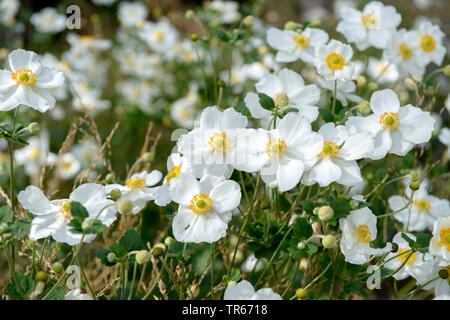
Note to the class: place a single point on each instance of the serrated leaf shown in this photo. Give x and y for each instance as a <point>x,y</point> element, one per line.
<point>78,210</point>
<point>308,206</point>
<point>27,284</point>
<point>20,228</point>
<point>242,109</point>
<point>340,207</point>
<point>131,241</point>
<point>302,229</point>
<point>326,115</point>
<point>6,214</point>
<point>266,101</point>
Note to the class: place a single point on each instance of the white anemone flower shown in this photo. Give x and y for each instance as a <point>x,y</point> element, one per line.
<point>444,138</point>
<point>137,189</point>
<point>414,263</point>
<point>423,212</point>
<point>68,166</point>
<point>288,90</point>
<point>229,10</point>
<point>48,20</point>
<point>282,154</point>
<point>53,217</point>
<point>293,46</point>
<point>359,228</point>
<point>27,82</point>
<point>210,148</point>
<point>161,36</point>
<point>333,61</point>
<point>205,207</point>
<point>8,11</point>
<point>394,129</point>
<point>76,294</point>
<point>344,90</point>
<point>382,71</point>
<point>431,49</point>
<point>440,242</point>
<point>434,281</point>
<point>337,160</point>
<point>87,43</point>
<point>371,27</point>
<point>131,14</point>
<point>245,291</point>
<point>182,110</point>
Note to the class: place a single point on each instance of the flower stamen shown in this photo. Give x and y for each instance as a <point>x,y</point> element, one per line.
<point>276,148</point>
<point>390,120</point>
<point>201,203</point>
<point>335,61</point>
<point>24,76</point>
<point>330,149</point>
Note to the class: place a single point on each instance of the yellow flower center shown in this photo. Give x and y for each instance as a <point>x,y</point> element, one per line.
<point>276,148</point>
<point>173,173</point>
<point>136,182</point>
<point>159,36</point>
<point>405,51</point>
<point>427,43</point>
<point>364,233</point>
<point>422,204</point>
<point>64,208</point>
<point>444,236</point>
<point>281,99</point>
<point>201,203</point>
<point>330,149</point>
<point>409,257</point>
<point>24,76</point>
<point>34,154</point>
<point>301,40</point>
<point>219,142</point>
<point>369,20</point>
<point>335,61</point>
<point>390,120</point>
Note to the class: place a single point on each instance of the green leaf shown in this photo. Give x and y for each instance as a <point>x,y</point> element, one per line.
<point>311,248</point>
<point>266,101</point>
<point>102,254</point>
<point>78,210</point>
<point>57,294</point>
<point>288,110</point>
<point>351,287</point>
<point>27,284</point>
<point>423,240</point>
<point>242,109</point>
<point>235,275</point>
<point>326,115</point>
<point>308,206</point>
<point>20,228</point>
<point>97,227</point>
<point>381,174</point>
<point>413,244</point>
<point>118,250</point>
<point>222,35</point>
<point>6,214</point>
<point>340,207</point>
<point>302,229</point>
<point>131,241</point>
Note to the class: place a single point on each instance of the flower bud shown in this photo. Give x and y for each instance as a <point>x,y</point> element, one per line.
<point>189,15</point>
<point>264,205</point>
<point>373,86</point>
<point>354,204</point>
<point>148,157</point>
<point>304,264</point>
<point>30,244</point>
<point>447,70</point>
<point>41,276</point>
<point>301,293</point>
<point>414,185</point>
<point>325,213</point>
<point>109,178</point>
<point>249,21</point>
<point>341,197</point>
<point>34,128</point>
<point>316,211</point>
<point>364,107</point>
<point>221,83</point>
<point>394,247</point>
<point>87,224</point>
<point>414,176</point>
<point>142,256</point>
<point>58,267</point>
<point>361,81</point>
<point>169,241</point>
<point>390,171</point>
<point>316,22</point>
<point>329,241</point>
<point>443,274</point>
<point>262,50</point>
<point>115,194</point>
<point>301,245</point>
<point>232,282</point>
<point>194,37</point>
<point>290,25</point>
<point>125,206</point>
<point>112,257</point>
<point>158,249</point>
<point>238,258</point>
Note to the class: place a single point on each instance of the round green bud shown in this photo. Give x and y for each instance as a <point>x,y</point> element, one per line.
<point>328,241</point>
<point>373,86</point>
<point>158,249</point>
<point>447,70</point>
<point>115,194</point>
<point>148,157</point>
<point>354,204</point>
<point>390,171</point>
<point>169,241</point>
<point>87,224</point>
<point>301,293</point>
<point>394,247</point>
<point>414,176</point>
<point>364,107</point>
<point>301,245</point>
<point>290,25</point>
<point>325,213</point>
<point>264,205</point>
<point>414,185</point>
<point>189,15</point>
<point>249,21</point>
<point>316,211</point>
<point>110,178</point>
<point>142,256</point>
<point>221,83</point>
<point>125,206</point>
<point>58,267</point>
<point>361,81</point>
<point>231,282</point>
<point>4,228</point>
<point>443,274</point>
<point>34,128</point>
<point>194,37</point>
<point>41,276</point>
<point>112,257</point>
<point>316,22</point>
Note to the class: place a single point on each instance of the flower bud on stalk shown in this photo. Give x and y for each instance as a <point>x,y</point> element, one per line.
<point>364,107</point>
<point>34,128</point>
<point>443,274</point>
<point>301,293</point>
<point>125,206</point>
<point>354,204</point>
<point>169,241</point>
<point>158,249</point>
<point>142,257</point>
<point>109,178</point>
<point>329,241</point>
<point>189,15</point>
<point>394,247</point>
<point>115,194</point>
<point>373,86</point>
<point>41,276</point>
<point>249,21</point>
<point>58,267</point>
<point>414,186</point>
<point>194,37</point>
<point>325,213</point>
<point>87,224</point>
<point>112,257</point>
<point>148,157</point>
<point>414,176</point>
<point>447,70</point>
<point>361,81</point>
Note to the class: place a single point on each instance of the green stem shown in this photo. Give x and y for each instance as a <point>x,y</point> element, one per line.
<point>133,280</point>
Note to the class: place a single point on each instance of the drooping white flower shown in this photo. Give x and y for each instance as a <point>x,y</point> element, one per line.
<point>210,148</point>
<point>423,212</point>
<point>292,45</point>
<point>414,263</point>
<point>245,291</point>
<point>27,82</point>
<point>48,20</point>
<point>429,39</point>
<point>76,294</point>
<point>160,36</point>
<point>333,61</point>
<point>394,129</point>
<point>205,207</point>
<point>52,217</point>
<point>382,71</point>
<point>337,160</point>
<point>371,27</point>
<point>138,189</point>
<point>440,242</point>
<point>131,14</point>
<point>282,154</point>
<point>344,90</point>
<point>288,90</point>
<point>359,228</point>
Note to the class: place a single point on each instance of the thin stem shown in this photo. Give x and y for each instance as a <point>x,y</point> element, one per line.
<point>132,281</point>
<point>212,270</point>
<point>334,96</point>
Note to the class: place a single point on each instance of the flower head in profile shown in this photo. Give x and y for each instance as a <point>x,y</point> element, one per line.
<point>333,61</point>
<point>28,82</point>
<point>205,207</point>
<point>371,27</point>
<point>293,46</point>
<point>52,217</point>
<point>394,129</point>
<point>245,291</point>
<point>382,71</point>
<point>359,228</point>
<point>440,242</point>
